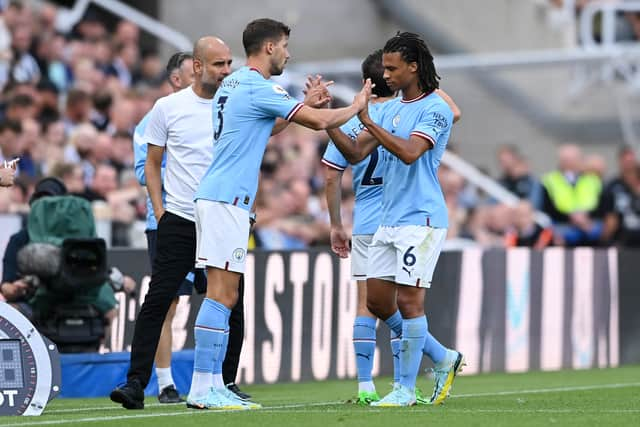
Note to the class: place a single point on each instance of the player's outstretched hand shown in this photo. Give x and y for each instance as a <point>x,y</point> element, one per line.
<point>361,100</point>
<point>339,242</point>
<point>316,92</point>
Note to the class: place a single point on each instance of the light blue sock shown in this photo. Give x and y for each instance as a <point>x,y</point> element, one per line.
<point>414,332</point>
<point>217,367</point>
<point>395,352</point>
<point>394,322</point>
<point>433,348</point>
<point>209,333</point>
<point>364,345</point>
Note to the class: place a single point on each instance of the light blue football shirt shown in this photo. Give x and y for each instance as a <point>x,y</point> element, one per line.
<point>140,158</point>
<point>367,175</point>
<point>412,193</point>
<point>245,109</point>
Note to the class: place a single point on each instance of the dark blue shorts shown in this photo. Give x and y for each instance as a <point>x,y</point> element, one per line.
<point>197,278</point>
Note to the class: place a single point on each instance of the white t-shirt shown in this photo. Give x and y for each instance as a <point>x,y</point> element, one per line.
<point>183,124</point>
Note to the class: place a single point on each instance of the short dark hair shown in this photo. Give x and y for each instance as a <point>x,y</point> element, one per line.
<point>12,125</point>
<point>261,30</point>
<point>20,100</point>
<point>413,49</point>
<point>75,96</point>
<point>372,69</point>
<point>176,60</point>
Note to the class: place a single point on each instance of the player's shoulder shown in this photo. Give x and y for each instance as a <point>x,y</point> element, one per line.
<point>433,101</point>
<point>142,124</point>
<point>434,105</point>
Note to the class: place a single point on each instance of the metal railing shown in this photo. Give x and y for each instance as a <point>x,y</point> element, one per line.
<point>67,18</point>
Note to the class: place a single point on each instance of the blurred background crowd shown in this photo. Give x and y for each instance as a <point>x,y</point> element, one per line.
<point>69,104</point>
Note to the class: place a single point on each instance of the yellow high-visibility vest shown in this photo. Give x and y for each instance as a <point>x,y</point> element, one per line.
<point>567,198</point>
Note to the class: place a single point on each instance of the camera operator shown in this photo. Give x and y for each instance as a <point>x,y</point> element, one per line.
<point>26,294</point>
<point>14,288</point>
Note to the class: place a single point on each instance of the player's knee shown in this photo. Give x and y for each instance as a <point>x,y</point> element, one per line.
<point>410,306</point>
<point>379,308</point>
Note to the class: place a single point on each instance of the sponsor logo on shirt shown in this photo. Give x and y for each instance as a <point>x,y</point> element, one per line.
<point>440,121</point>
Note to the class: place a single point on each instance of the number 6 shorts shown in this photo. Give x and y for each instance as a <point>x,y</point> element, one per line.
<point>406,255</point>
<point>222,235</point>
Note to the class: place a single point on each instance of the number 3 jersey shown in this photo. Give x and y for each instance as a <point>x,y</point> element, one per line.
<point>245,109</point>
<point>411,193</point>
<point>367,175</point>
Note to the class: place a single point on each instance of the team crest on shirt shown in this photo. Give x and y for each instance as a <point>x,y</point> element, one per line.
<point>238,254</point>
<point>281,91</point>
<point>396,121</point>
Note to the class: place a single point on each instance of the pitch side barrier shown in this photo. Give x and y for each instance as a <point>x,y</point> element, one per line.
<point>508,310</point>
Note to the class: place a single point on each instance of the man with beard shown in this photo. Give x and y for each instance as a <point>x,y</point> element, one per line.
<point>248,108</point>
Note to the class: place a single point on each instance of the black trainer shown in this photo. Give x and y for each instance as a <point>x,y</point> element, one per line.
<point>233,387</point>
<point>130,395</point>
<point>169,394</point>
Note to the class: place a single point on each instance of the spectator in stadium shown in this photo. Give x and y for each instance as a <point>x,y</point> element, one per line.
<point>24,67</point>
<point>10,140</point>
<point>570,197</point>
<point>78,109</point>
<point>121,151</point>
<point>20,106</point>
<point>525,231</point>
<point>595,164</point>
<point>516,176</point>
<point>71,176</point>
<point>620,203</point>
<point>82,149</point>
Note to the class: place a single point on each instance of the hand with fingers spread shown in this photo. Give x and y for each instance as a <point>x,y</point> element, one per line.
<point>316,92</point>
<point>339,242</point>
<point>362,101</point>
<point>8,174</point>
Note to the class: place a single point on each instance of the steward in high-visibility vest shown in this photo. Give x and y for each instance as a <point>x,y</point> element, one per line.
<point>566,198</point>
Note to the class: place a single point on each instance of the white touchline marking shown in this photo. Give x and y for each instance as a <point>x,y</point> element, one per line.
<point>296,407</point>
<point>547,390</point>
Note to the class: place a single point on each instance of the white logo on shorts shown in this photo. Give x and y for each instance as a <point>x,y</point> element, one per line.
<point>396,121</point>
<point>238,255</point>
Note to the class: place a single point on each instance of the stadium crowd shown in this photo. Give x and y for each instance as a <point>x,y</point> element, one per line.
<point>69,103</point>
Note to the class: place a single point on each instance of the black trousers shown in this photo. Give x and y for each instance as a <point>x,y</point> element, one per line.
<point>175,255</point>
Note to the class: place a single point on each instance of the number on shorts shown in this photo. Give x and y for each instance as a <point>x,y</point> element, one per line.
<point>218,131</point>
<point>409,259</point>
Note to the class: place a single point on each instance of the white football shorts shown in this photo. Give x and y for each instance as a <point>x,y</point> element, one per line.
<point>359,254</point>
<point>222,235</point>
<point>406,255</point>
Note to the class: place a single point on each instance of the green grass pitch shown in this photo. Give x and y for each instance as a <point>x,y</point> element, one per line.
<point>568,398</point>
